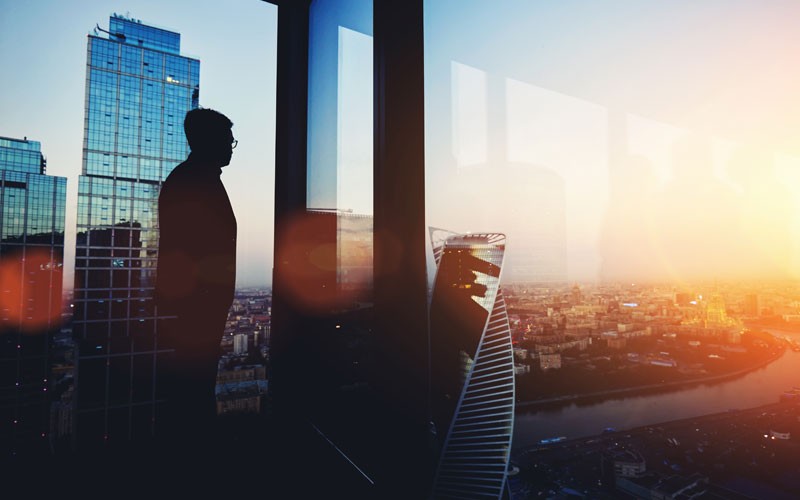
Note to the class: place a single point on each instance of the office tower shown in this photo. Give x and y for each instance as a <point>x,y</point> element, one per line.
<point>138,90</point>
<point>472,367</point>
<point>31,256</point>
<point>751,305</point>
<point>716,312</point>
<point>240,344</point>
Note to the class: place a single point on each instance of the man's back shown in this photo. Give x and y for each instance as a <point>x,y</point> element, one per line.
<point>197,249</point>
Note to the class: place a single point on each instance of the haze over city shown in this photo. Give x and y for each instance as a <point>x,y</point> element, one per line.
<point>663,143</point>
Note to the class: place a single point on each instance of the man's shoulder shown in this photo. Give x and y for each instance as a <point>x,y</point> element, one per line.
<point>181,171</point>
<point>180,179</point>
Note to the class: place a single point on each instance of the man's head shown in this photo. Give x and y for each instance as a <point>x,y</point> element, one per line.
<point>209,135</point>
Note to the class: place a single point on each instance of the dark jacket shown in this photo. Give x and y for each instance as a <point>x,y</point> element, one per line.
<point>197,247</point>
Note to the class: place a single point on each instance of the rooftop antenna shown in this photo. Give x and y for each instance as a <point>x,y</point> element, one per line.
<point>118,35</point>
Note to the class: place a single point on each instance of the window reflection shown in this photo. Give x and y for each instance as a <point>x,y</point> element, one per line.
<point>504,87</point>
<point>642,161</point>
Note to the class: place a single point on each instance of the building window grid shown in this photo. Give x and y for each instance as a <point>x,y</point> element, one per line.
<point>146,36</point>
<point>13,213</point>
<point>145,154</point>
<point>30,215</point>
<point>145,63</point>
<point>131,60</point>
<point>40,212</point>
<point>120,130</point>
<point>20,160</point>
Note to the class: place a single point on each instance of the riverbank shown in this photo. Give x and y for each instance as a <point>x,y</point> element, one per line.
<point>647,389</point>
<point>781,326</point>
<point>728,448</point>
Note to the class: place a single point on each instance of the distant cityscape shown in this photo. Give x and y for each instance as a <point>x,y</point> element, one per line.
<point>242,371</point>
<point>589,343</point>
<point>733,455</point>
<point>611,337</point>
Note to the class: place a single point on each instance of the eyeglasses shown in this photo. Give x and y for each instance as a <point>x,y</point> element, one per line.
<point>234,143</point>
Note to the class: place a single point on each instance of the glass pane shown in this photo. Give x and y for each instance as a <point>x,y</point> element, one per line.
<point>642,163</point>
<point>340,150</point>
<point>333,286</point>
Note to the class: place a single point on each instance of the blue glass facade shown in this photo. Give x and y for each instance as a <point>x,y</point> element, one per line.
<point>138,90</point>
<point>135,33</point>
<point>31,257</point>
<point>21,156</point>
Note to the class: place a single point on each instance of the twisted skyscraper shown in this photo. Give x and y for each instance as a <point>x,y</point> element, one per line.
<point>472,367</point>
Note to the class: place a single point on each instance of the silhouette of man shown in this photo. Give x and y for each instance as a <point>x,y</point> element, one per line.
<point>195,281</point>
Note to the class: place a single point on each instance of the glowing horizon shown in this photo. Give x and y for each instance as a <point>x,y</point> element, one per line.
<point>664,144</point>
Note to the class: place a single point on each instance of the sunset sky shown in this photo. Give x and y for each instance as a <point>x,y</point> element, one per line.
<point>609,140</point>
<point>668,132</point>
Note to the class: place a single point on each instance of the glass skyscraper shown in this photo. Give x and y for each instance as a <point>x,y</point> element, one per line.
<point>472,366</point>
<point>31,257</point>
<point>138,90</point>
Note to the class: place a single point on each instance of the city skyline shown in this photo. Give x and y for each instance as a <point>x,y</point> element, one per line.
<point>238,79</point>
<point>624,144</point>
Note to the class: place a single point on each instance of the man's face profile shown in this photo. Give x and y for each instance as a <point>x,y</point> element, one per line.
<point>210,136</point>
<point>228,148</point>
<point>221,149</point>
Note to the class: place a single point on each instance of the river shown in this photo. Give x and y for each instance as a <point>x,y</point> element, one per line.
<point>572,420</point>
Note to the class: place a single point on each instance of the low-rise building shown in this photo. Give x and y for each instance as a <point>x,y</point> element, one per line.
<point>626,463</point>
<point>241,397</point>
<point>240,344</point>
<point>549,361</point>
<point>616,343</point>
<point>520,369</point>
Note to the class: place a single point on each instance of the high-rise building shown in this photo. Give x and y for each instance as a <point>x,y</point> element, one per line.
<point>31,256</point>
<point>240,344</point>
<point>471,366</point>
<point>751,305</point>
<point>138,90</point>
<point>716,313</point>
